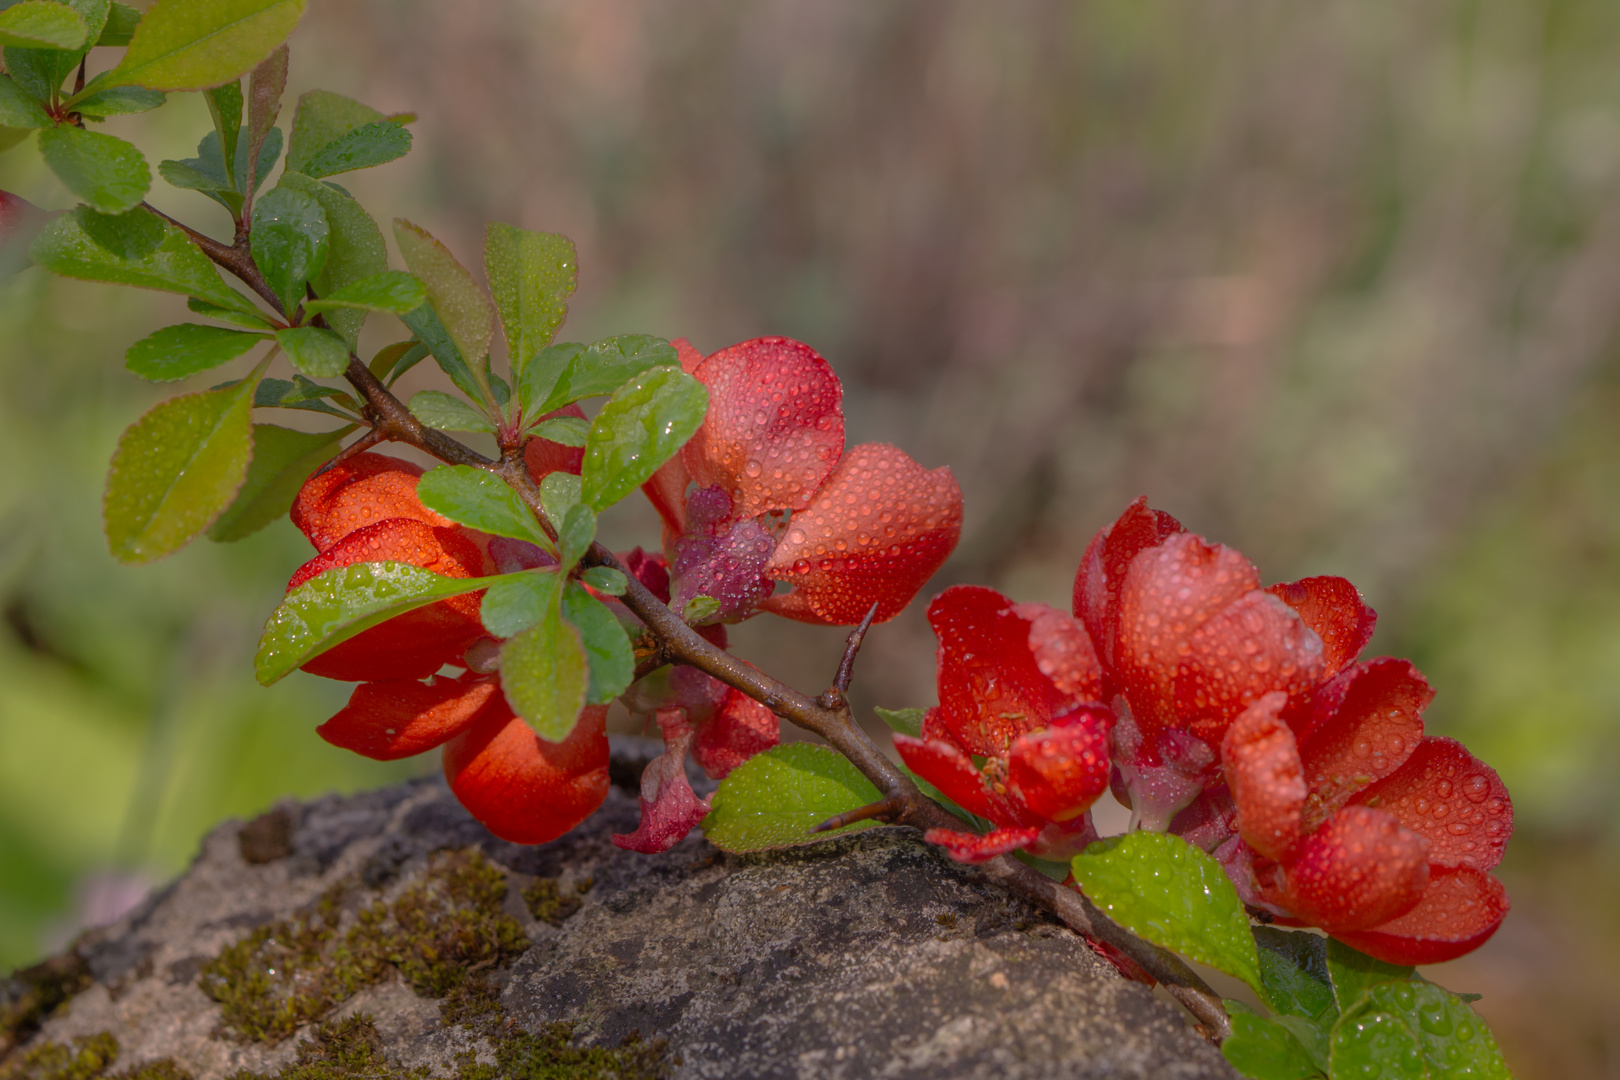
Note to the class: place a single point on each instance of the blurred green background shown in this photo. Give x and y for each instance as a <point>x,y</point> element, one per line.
<point>1336,283</point>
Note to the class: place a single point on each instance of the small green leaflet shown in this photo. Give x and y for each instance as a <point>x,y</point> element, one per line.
<point>1414,1029</point>
<point>318,353</point>
<point>356,250</point>
<point>107,173</point>
<point>282,460</point>
<point>42,24</point>
<point>335,606</point>
<point>480,500</point>
<point>561,374</point>
<point>392,291</point>
<point>122,20</point>
<point>698,609</point>
<point>774,799</point>
<point>518,601</point>
<point>1354,972</point>
<point>642,425</point>
<point>175,470</point>
<point>289,242</point>
<point>605,579</point>
<point>177,351</point>
<point>1294,973</point>
<point>442,412</point>
<point>98,104</point>
<point>249,319</point>
<point>301,393</point>
<point>459,302</point>
<point>371,144</point>
<point>137,248</point>
<point>424,322</point>
<point>1264,1050</point>
<point>225,106</point>
<point>564,430</point>
<point>576,533</point>
<point>545,675</point>
<point>187,45</point>
<point>611,660</point>
<point>532,274</point>
<point>206,173</point>
<point>559,492</point>
<point>905,721</point>
<point>1162,888</point>
<point>321,119</point>
<point>18,108</point>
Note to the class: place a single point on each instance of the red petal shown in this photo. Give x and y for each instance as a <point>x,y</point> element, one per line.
<point>1360,869</point>
<point>973,848</point>
<point>1102,569</point>
<point>669,807</point>
<point>741,728</point>
<point>543,457</point>
<point>364,490</point>
<point>874,534</point>
<point>1449,796</point>
<point>991,690</point>
<point>1363,725</point>
<point>1060,772</point>
<point>521,787</point>
<point>1169,592</point>
<point>651,570</point>
<point>1333,608</point>
<point>720,556</point>
<point>1250,648</point>
<point>948,769</point>
<point>1063,651</point>
<point>1460,910</point>
<point>386,721</point>
<point>1263,770</point>
<point>689,356</point>
<point>775,425</point>
<point>420,642</point>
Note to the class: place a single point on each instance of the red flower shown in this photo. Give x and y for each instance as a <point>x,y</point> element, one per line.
<point>1020,687</point>
<point>777,497</point>
<point>521,787</point>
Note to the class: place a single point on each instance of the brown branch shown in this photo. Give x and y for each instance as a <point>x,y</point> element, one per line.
<point>884,809</point>
<point>238,260</point>
<point>834,699</point>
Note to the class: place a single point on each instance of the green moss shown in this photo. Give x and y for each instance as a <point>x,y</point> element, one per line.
<point>347,1049</point>
<point>89,1059</point>
<point>30,995</point>
<point>548,902</point>
<point>474,1004</point>
<point>549,1054</point>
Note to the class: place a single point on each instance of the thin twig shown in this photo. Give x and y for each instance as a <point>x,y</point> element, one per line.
<point>834,697</point>
<point>359,446</point>
<point>883,808</point>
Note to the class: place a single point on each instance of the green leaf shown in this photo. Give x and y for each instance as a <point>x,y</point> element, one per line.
<point>1380,1044</point>
<point>1450,1037</point>
<point>642,425</point>
<point>376,143</point>
<point>539,375</point>
<point>95,14</point>
<point>197,44</point>
<point>605,579</point>
<point>356,247</point>
<point>564,430</point>
<point>301,393</point>
<point>122,21</point>
<point>237,318</point>
<point>774,799</point>
<point>392,291</point>
<point>611,660</point>
<point>42,24</point>
<point>458,301</point>
<point>545,675</point>
<point>424,323</point>
<point>137,248</point>
<point>19,108</point>
<point>321,119</point>
<point>574,536</point>
<point>480,500</point>
<point>207,172</point>
<point>698,609</point>
<point>117,101</point>
<point>318,353</point>
<point>1264,1050</point>
<point>1355,972</point>
<point>607,365</point>
<point>177,351</point>
<point>108,173</point>
<point>1164,889</point>
<point>390,368</point>
<point>282,460</point>
<point>289,242</point>
<point>333,607</point>
<point>905,721</point>
<point>225,106</point>
<point>443,412</point>
<point>1294,972</point>
<point>518,601</point>
<point>532,274</point>
<point>175,470</point>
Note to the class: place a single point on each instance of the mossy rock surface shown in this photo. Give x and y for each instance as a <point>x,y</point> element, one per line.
<point>388,935</point>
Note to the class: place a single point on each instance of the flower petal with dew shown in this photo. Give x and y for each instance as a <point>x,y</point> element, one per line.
<point>1362,726</point>
<point>1460,910</point>
<point>1333,608</point>
<point>400,718</point>
<point>1452,799</point>
<point>736,731</point>
<point>363,490</point>
<point>669,807</point>
<point>967,847</point>
<point>1265,775</point>
<point>1101,576</point>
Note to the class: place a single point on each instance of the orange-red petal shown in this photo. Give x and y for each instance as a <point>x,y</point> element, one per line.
<point>1360,869</point>
<point>361,491</point>
<point>738,730</point>
<point>967,847</point>
<point>1101,576</point>
<point>1362,726</point>
<point>1063,651</point>
<point>1059,772</point>
<point>1267,781</point>
<point>543,457</point>
<point>775,426</point>
<point>1251,647</point>
<point>401,718</point>
<point>874,533</point>
<point>1333,608</point>
<point>1460,910</point>
<point>948,769</point>
<point>1453,799</point>
<point>521,787</point>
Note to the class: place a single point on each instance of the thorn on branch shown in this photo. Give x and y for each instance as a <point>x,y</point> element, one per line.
<point>884,811</point>
<point>834,697</point>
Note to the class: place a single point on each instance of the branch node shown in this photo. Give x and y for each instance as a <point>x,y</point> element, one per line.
<point>834,699</point>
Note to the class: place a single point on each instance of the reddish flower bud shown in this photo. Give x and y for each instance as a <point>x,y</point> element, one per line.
<point>361,491</point>
<point>1360,869</point>
<point>401,718</point>
<point>524,789</point>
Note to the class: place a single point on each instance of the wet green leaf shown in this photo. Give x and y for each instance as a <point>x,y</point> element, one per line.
<point>370,144</point>
<point>1162,888</point>
<point>518,601</point>
<point>539,375</point>
<point>905,721</point>
<point>19,108</point>
<point>321,119</point>
<point>565,430</point>
<point>559,493</point>
<point>459,302</point>
<point>177,351</point>
<point>425,324</point>
<point>42,24</point>
<point>189,45</point>
<point>301,393</point>
<point>444,412</point>
<point>234,316</point>
<point>225,106</point>
<point>355,250</point>
<point>107,173</point>
<point>318,353</point>
<point>137,248</point>
<point>1354,972</point>
<point>282,460</point>
<point>335,606</point>
<point>175,470</point>
<point>611,660</point>
<point>698,609</point>
<point>605,366</point>
<point>642,425</point>
<point>774,799</point>
<point>206,173</point>
<point>117,101</point>
<point>532,274</point>
<point>1414,1028</point>
<point>290,236</point>
<point>1264,1050</point>
<point>392,291</point>
<point>574,536</point>
<point>480,500</point>
<point>605,579</point>
<point>1294,972</point>
<point>122,21</point>
<point>545,675</point>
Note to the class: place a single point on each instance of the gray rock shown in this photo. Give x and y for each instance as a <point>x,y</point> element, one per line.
<point>865,956</point>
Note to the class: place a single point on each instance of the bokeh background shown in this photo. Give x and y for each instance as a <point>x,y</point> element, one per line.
<point>1337,283</point>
